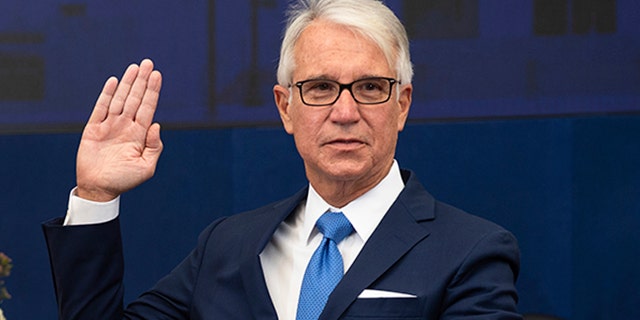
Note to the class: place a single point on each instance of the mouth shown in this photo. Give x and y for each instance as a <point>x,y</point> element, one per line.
<point>345,143</point>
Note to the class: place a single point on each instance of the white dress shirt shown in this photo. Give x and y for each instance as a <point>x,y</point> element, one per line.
<point>284,259</point>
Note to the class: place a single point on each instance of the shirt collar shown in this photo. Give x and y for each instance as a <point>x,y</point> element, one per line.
<point>364,213</point>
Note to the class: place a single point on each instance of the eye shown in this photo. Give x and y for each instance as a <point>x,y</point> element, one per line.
<point>320,86</point>
<point>375,85</point>
<point>372,86</point>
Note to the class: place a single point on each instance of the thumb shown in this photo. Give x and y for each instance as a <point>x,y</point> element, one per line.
<point>153,144</point>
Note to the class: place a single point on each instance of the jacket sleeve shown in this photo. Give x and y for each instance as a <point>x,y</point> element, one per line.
<point>484,285</point>
<point>88,268</point>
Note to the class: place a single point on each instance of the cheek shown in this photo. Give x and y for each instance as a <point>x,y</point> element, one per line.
<point>383,123</point>
<point>307,122</point>
<point>305,131</point>
<point>385,132</point>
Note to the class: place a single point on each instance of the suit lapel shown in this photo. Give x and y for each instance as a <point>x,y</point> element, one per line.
<point>396,234</point>
<point>258,234</point>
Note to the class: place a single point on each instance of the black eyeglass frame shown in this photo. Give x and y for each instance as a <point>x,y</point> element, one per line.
<point>348,87</point>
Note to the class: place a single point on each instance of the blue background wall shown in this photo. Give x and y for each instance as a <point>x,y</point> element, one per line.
<point>532,125</point>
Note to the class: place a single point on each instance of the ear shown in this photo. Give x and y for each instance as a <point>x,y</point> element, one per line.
<point>404,103</point>
<point>281,96</point>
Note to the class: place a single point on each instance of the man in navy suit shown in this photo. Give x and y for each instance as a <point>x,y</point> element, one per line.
<point>343,93</point>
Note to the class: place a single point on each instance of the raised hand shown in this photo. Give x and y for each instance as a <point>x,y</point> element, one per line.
<point>120,146</point>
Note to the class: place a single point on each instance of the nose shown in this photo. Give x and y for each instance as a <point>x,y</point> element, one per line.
<point>345,110</point>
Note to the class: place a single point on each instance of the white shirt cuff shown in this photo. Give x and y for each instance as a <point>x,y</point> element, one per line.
<point>83,211</point>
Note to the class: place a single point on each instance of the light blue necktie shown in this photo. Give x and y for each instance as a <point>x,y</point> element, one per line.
<point>325,269</point>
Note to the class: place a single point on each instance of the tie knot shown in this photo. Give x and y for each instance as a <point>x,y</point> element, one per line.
<point>334,225</point>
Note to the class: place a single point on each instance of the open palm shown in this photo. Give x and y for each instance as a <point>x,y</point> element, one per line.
<point>120,146</point>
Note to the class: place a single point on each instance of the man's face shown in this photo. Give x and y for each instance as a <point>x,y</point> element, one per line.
<point>346,141</point>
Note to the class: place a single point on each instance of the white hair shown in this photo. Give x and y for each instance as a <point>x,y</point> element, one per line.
<point>370,18</point>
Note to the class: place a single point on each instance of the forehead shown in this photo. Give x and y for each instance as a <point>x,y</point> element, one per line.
<point>330,50</point>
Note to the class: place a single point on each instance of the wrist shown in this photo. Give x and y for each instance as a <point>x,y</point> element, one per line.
<point>94,195</point>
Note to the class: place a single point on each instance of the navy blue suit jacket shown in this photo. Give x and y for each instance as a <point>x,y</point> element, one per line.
<point>457,265</point>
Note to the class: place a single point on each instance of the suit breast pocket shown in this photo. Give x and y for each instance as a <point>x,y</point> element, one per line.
<point>385,309</point>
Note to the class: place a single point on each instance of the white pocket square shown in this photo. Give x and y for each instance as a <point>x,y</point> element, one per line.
<point>373,294</point>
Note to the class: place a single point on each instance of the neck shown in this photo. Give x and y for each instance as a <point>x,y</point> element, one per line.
<point>338,192</point>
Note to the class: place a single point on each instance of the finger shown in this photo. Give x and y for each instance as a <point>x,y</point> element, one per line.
<point>149,102</point>
<point>134,98</point>
<point>101,108</point>
<point>120,96</point>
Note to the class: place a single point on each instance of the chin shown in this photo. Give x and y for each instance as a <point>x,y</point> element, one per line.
<point>347,172</point>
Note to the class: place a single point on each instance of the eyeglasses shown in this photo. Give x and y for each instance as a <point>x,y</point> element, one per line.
<point>322,92</point>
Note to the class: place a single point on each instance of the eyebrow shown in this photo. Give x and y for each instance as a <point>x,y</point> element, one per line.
<point>327,77</point>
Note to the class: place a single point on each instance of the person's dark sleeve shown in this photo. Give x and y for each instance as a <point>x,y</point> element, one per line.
<point>484,286</point>
<point>87,266</point>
